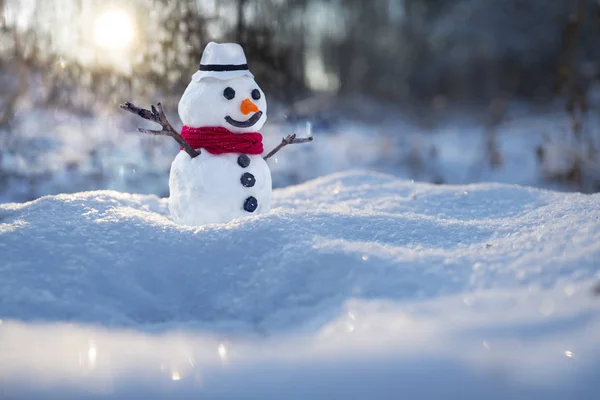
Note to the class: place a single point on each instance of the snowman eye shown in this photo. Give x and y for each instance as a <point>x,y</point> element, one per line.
<point>228,93</point>
<point>256,94</point>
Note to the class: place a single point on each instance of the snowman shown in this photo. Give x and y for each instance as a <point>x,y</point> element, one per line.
<point>220,173</point>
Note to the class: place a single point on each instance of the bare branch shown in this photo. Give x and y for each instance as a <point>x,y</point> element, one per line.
<point>158,115</point>
<point>153,132</point>
<point>290,139</point>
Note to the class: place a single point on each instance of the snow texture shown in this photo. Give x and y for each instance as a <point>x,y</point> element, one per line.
<point>208,188</point>
<point>355,285</point>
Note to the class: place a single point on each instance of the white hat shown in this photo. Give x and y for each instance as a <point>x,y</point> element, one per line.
<point>222,61</point>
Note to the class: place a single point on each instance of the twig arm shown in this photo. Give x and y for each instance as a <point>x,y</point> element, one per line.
<point>290,139</point>
<point>157,115</point>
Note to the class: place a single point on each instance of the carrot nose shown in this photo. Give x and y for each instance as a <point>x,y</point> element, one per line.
<point>248,106</point>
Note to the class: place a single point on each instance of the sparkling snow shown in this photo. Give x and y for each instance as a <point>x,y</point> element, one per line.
<point>356,285</point>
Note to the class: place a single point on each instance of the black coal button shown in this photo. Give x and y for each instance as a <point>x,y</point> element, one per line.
<point>247,179</point>
<point>250,204</point>
<point>243,161</point>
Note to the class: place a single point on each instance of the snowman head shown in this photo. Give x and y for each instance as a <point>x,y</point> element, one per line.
<point>223,92</point>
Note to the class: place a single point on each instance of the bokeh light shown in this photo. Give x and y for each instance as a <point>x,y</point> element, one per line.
<point>114,30</point>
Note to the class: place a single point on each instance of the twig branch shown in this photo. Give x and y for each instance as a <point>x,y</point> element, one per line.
<point>290,139</point>
<point>158,115</point>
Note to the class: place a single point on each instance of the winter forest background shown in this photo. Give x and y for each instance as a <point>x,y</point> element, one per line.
<point>431,90</point>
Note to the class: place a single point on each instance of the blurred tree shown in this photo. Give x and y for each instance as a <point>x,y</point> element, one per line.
<point>576,159</point>
<point>173,39</point>
<point>272,33</point>
<point>465,49</point>
<point>2,15</point>
<point>369,56</point>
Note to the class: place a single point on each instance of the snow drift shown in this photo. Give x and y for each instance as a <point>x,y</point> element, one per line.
<point>355,284</point>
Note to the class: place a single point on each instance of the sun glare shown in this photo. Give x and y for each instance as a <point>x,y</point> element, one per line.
<point>114,30</point>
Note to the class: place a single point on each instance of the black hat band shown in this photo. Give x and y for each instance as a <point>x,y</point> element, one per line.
<point>223,67</point>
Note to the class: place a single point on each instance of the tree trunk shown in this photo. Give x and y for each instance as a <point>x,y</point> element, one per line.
<point>241,25</point>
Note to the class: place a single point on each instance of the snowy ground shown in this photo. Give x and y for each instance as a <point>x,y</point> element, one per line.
<point>356,285</point>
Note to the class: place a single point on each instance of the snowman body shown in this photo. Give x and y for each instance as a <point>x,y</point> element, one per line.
<point>216,188</point>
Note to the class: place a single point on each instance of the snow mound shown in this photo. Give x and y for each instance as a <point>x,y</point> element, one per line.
<point>355,284</point>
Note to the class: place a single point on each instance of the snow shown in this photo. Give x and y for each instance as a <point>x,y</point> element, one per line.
<point>355,285</point>
<point>208,188</point>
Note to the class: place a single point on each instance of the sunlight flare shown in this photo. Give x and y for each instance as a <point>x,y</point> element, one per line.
<point>114,29</point>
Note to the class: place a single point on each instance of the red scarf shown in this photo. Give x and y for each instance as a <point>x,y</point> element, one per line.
<point>218,140</point>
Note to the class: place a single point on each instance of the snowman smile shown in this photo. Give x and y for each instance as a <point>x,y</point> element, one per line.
<point>244,124</point>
